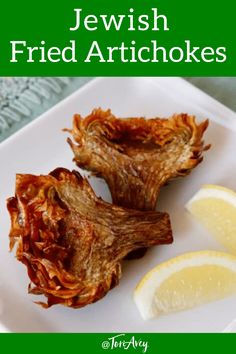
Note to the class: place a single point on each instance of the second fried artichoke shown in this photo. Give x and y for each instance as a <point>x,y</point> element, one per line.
<point>137,156</point>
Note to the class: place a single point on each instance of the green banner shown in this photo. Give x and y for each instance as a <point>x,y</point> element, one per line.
<point>131,37</point>
<point>119,343</point>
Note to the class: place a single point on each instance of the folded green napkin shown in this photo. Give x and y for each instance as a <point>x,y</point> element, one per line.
<point>24,98</point>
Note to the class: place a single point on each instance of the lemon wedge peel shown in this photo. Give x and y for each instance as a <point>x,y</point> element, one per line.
<point>215,192</point>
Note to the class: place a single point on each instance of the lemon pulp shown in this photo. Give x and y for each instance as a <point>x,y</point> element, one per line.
<point>215,208</point>
<point>194,286</point>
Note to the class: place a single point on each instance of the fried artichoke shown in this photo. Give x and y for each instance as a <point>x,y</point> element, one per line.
<point>137,156</point>
<point>71,241</point>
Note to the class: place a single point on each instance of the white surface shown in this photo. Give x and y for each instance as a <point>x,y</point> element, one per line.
<point>41,146</point>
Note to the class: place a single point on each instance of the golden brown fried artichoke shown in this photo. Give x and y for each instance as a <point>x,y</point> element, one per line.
<point>71,241</point>
<point>137,156</point>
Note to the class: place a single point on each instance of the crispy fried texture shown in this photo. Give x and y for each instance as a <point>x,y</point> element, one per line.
<point>137,156</point>
<point>71,241</point>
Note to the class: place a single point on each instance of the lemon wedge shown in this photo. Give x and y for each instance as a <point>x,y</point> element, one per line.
<point>186,281</point>
<point>215,208</point>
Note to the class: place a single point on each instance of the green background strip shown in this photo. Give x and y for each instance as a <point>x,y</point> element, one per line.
<point>204,23</point>
<point>93,343</point>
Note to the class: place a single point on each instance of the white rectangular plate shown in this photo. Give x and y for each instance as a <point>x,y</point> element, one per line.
<point>41,146</point>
